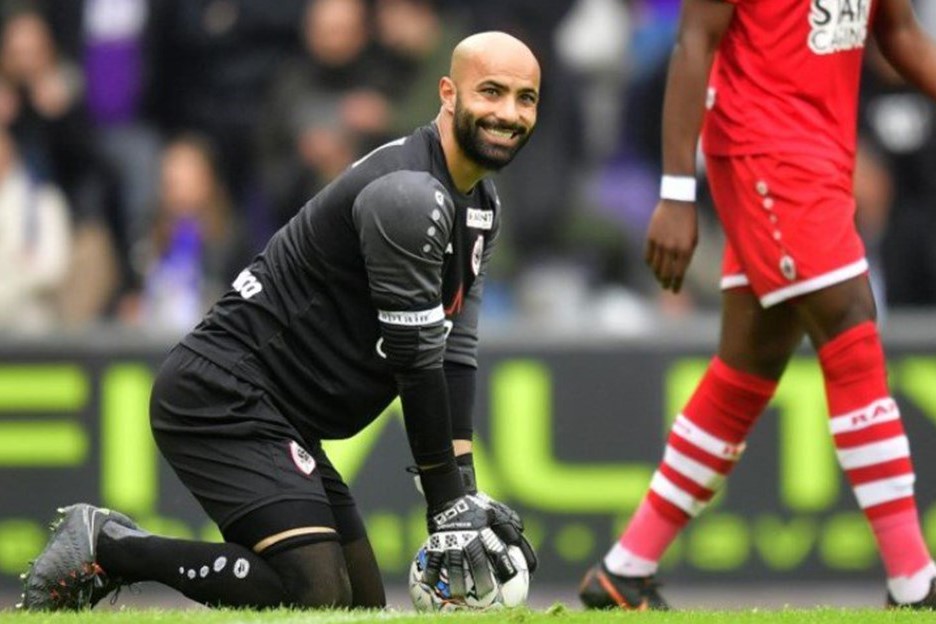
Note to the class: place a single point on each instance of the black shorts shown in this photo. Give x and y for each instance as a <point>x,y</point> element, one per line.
<point>246,464</point>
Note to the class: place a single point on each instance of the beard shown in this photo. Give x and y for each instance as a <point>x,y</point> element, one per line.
<point>468,135</point>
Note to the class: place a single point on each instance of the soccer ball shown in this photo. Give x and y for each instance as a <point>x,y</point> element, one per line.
<point>438,597</point>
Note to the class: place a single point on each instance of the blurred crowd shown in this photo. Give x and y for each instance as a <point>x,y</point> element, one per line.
<point>148,148</point>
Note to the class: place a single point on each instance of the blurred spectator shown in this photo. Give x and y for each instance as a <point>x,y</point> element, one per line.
<point>44,92</point>
<point>325,109</point>
<point>213,60</point>
<point>34,246</point>
<point>593,39</point>
<point>898,126</point>
<point>195,246</point>
<point>111,40</point>
<point>416,40</point>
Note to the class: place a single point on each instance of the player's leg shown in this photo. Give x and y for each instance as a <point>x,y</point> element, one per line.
<point>703,446</point>
<point>242,461</point>
<point>869,437</point>
<point>367,589</point>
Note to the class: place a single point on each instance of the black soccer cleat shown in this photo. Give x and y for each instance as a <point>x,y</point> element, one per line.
<point>65,576</point>
<point>602,589</point>
<point>928,602</point>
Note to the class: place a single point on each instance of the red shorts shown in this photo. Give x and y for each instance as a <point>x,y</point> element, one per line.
<point>789,224</point>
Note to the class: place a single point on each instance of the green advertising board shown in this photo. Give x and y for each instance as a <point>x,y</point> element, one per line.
<point>570,437</point>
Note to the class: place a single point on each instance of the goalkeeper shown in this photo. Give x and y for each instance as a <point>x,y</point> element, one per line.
<point>371,291</point>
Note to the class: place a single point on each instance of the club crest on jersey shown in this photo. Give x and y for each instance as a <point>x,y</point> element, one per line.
<point>480,219</point>
<point>476,254</point>
<point>838,25</point>
<point>301,457</point>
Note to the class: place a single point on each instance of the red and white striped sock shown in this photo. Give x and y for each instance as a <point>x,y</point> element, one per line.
<point>703,446</point>
<point>875,454</point>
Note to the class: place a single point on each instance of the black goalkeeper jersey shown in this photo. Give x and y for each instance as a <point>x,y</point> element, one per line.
<point>389,241</point>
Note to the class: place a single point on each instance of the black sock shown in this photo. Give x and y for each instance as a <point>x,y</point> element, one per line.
<point>217,575</point>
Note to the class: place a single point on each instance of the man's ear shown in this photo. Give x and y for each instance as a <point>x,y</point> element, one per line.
<point>447,93</point>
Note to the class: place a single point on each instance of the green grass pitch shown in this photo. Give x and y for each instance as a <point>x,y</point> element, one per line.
<point>557,614</point>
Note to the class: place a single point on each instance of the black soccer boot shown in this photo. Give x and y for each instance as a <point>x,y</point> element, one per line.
<point>66,576</point>
<point>602,589</point>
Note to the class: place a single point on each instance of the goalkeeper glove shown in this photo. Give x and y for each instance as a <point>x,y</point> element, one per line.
<point>460,536</point>
<point>507,524</point>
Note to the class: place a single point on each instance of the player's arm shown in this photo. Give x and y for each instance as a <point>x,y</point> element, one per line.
<point>906,45</point>
<point>404,220</point>
<point>461,365</point>
<point>673,230</point>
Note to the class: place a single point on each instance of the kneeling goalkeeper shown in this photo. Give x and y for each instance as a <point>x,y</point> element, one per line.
<point>371,291</point>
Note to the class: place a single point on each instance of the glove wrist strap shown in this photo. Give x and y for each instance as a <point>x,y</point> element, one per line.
<point>441,484</point>
<point>466,468</point>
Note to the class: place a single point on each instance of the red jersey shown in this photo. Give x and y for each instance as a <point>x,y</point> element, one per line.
<point>786,77</point>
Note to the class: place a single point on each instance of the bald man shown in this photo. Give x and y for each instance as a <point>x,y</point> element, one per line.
<point>371,291</point>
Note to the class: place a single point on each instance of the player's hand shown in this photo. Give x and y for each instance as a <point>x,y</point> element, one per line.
<point>671,240</point>
<point>507,523</point>
<point>508,526</point>
<point>461,537</point>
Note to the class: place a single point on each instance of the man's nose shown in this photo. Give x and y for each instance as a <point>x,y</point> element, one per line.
<point>508,111</point>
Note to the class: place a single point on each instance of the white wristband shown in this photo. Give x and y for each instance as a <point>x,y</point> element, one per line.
<point>679,188</point>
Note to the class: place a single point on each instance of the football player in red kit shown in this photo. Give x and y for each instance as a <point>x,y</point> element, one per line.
<point>776,84</point>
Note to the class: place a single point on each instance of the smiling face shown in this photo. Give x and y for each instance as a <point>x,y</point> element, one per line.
<point>492,95</point>
<point>491,141</point>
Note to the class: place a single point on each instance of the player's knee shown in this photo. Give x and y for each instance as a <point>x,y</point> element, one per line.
<point>314,575</point>
<point>833,310</point>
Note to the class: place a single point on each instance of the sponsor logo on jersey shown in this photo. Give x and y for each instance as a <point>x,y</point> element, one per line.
<point>301,457</point>
<point>480,219</point>
<point>476,254</point>
<point>246,284</point>
<point>838,25</point>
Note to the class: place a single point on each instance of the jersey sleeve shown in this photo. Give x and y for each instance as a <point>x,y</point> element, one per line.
<point>462,344</point>
<point>404,221</point>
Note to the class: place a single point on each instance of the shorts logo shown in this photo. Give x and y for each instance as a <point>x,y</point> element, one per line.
<point>788,267</point>
<point>838,25</point>
<point>301,457</point>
